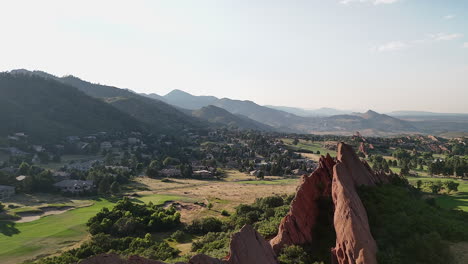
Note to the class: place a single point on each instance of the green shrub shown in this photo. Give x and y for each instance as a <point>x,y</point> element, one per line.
<point>213,244</point>
<point>225,213</point>
<point>205,225</point>
<point>293,255</point>
<point>178,236</point>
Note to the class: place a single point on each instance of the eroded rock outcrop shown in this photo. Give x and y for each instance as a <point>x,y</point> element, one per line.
<point>249,247</point>
<point>297,227</point>
<point>354,241</point>
<point>338,178</point>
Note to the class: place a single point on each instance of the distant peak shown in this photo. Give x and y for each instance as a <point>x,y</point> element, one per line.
<point>371,112</point>
<point>177,92</point>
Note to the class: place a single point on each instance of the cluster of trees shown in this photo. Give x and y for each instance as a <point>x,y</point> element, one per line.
<point>125,230</point>
<point>460,149</point>
<point>407,228</point>
<point>452,165</point>
<point>131,219</point>
<point>37,179</point>
<point>437,186</point>
<point>379,163</point>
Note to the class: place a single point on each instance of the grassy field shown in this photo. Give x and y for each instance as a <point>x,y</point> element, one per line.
<point>456,200</point>
<point>23,241</point>
<point>271,182</point>
<point>308,145</point>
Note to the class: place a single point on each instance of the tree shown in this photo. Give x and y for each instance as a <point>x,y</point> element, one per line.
<point>115,187</point>
<point>261,175</point>
<point>24,168</point>
<point>295,141</point>
<point>153,169</point>
<point>405,170</point>
<point>293,255</point>
<point>451,186</point>
<point>435,187</point>
<point>104,186</point>
<point>419,184</point>
<point>170,161</point>
<point>2,207</point>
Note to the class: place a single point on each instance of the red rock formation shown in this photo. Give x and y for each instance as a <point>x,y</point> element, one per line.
<point>204,259</point>
<point>354,241</point>
<point>362,148</point>
<point>355,168</point>
<point>249,247</point>
<point>297,227</point>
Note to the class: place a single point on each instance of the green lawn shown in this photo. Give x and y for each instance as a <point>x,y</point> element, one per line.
<point>308,145</point>
<point>23,241</point>
<point>270,182</point>
<point>457,200</point>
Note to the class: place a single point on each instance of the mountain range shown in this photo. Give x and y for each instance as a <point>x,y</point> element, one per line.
<point>179,110</point>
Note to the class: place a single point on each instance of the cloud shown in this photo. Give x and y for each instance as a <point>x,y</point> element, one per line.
<point>445,36</point>
<point>401,45</point>
<point>393,46</point>
<point>378,2</point>
<point>375,2</point>
<point>449,17</point>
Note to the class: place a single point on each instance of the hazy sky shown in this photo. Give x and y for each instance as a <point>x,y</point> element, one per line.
<point>349,54</point>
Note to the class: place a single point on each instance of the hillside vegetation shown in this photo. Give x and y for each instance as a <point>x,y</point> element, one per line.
<point>47,109</point>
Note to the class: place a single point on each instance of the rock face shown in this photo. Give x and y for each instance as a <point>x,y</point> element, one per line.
<point>297,227</point>
<point>338,179</point>
<point>249,247</point>
<point>354,241</point>
<point>204,259</point>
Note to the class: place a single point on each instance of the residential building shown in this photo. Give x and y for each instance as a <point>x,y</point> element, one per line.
<point>74,186</point>
<point>6,191</point>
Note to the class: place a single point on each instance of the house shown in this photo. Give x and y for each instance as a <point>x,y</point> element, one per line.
<point>133,141</point>
<point>38,148</point>
<point>72,139</point>
<point>122,168</point>
<point>170,172</point>
<point>21,178</point>
<point>74,186</point>
<point>254,173</point>
<point>61,175</point>
<point>202,174</point>
<point>106,145</point>
<point>82,166</point>
<point>36,159</point>
<point>6,191</point>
